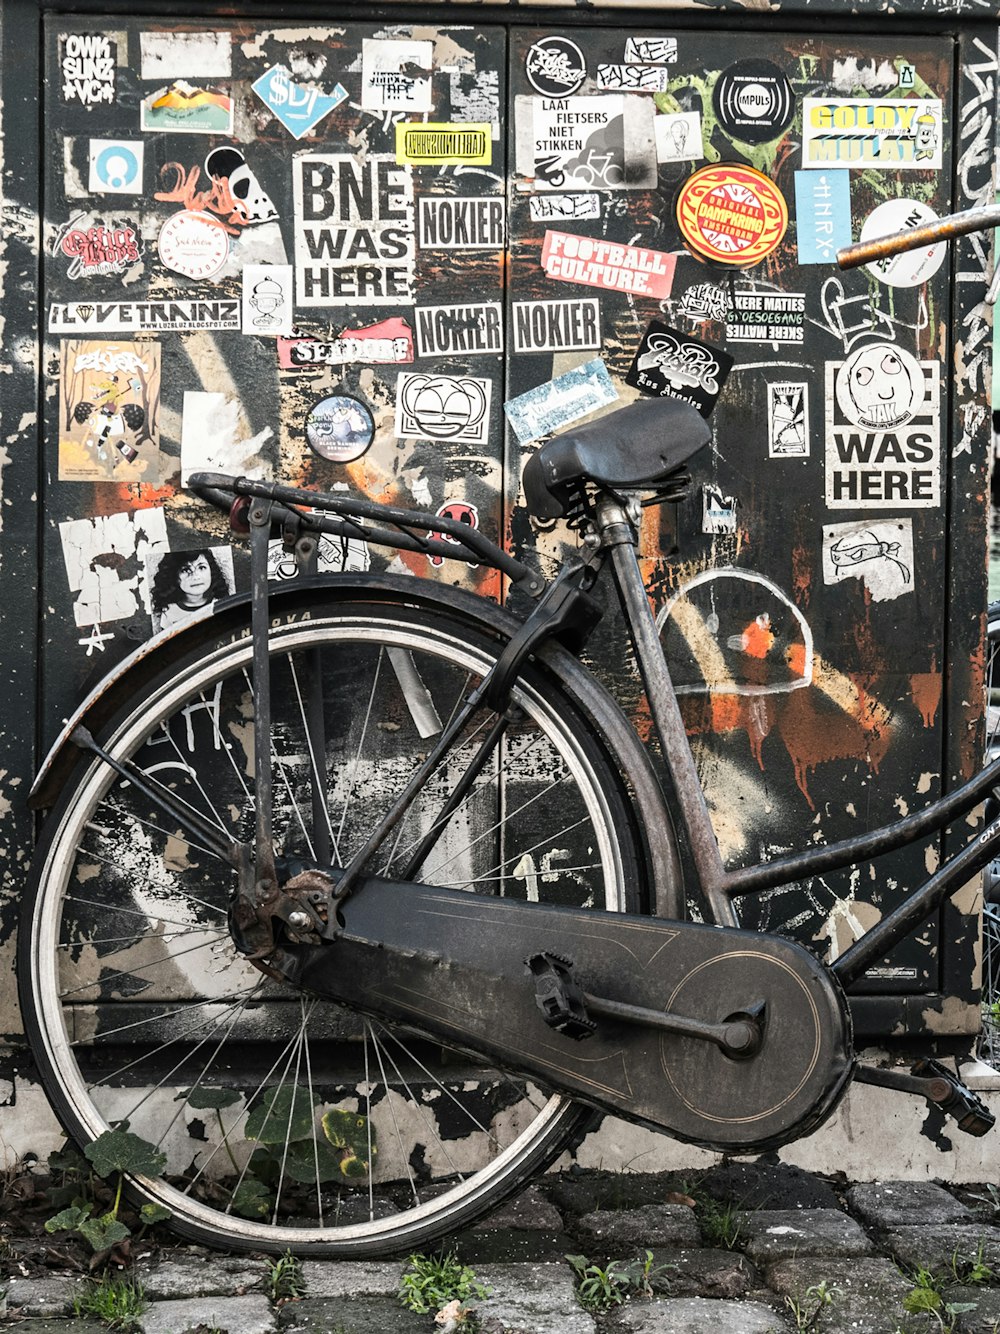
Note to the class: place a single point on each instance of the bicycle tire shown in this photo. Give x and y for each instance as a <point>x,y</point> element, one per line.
<point>78,984</point>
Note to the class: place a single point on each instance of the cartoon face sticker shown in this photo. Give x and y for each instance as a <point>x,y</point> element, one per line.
<point>926,138</point>
<point>880,386</point>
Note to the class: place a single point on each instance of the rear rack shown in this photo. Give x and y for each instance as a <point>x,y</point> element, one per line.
<point>366,520</point>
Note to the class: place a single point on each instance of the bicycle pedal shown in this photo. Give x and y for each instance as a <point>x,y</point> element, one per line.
<point>559,997</point>
<point>950,1094</point>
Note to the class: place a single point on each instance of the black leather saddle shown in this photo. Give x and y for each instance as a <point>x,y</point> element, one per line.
<point>633,449</point>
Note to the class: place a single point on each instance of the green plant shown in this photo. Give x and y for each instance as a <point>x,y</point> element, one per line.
<point>110,1156</point>
<point>972,1271</point>
<point>926,1297</point>
<point>115,1300</point>
<point>432,1281</point>
<point>285,1280</point>
<point>990,1197</point>
<point>599,1289</point>
<point>721,1224</point>
<point>806,1309</point>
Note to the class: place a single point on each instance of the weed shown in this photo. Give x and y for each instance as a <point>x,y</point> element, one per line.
<point>806,1309</point>
<point>974,1271</point>
<point>430,1282</point>
<point>285,1279</point>
<point>116,1301</point>
<point>599,1289</point>
<point>990,1198</point>
<point>721,1224</point>
<point>926,1297</point>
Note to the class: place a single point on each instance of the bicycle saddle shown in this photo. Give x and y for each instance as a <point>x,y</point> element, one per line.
<point>635,448</point>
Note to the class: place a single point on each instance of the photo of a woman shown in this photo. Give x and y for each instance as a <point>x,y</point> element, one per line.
<point>182,582</point>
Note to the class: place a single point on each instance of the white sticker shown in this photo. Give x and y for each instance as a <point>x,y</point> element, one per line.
<point>354,241</point>
<point>215,437</point>
<point>912,267</point>
<point>453,409</point>
<point>633,78</point>
<point>103,557</point>
<point>878,552</point>
<point>678,137</point>
<point>556,326</point>
<point>192,55</point>
<point>766,317</point>
<point>718,511</point>
<point>451,331</point>
<point>103,317</point>
<point>179,584</point>
<point>194,244</point>
<point>459,222</point>
<point>396,75</point>
<point>883,431</point>
<point>586,143</point>
<point>564,207</point>
<point>651,50</point>
<point>115,166</point>
<point>788,420</point>
<point>267,299</point>
<point>567,398</point>
<point>87,64</point>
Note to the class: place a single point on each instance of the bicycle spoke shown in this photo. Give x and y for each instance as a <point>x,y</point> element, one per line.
<point>392,1112</point>
<point>156,1018</point>
<point>422,1113</point>
<point>357,757</point>
<point>137,972</point>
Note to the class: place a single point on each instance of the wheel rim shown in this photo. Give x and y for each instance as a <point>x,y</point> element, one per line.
<point>398,1198</point>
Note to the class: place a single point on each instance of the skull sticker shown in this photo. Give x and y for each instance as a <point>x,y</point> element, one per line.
<point>250,203</point>
<point>880,386</point>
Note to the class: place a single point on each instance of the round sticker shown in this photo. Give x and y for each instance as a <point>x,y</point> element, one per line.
<point>753,101</point>
<point>912,267</point>
<point>117,167</point>
<point>339,428</point>
<point>555,66</point>
<point>880,386</point>
<point>195,244</point>
<point>731,214</point>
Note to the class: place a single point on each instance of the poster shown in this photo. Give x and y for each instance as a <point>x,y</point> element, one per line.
<point>109,408</point>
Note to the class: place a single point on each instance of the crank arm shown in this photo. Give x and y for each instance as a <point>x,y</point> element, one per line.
<point>201,830</point>
<point>738,1037</point>
<point>935,1082</point>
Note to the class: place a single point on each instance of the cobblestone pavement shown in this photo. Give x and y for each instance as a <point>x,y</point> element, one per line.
<point>744,1249</point>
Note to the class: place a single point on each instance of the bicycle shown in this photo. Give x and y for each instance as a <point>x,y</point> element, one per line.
<point>490,896</point>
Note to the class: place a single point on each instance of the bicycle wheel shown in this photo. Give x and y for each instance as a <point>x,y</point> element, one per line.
<point>286,1121</point>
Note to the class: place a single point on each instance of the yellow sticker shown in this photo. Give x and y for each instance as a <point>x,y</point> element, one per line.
<point>420,144</point>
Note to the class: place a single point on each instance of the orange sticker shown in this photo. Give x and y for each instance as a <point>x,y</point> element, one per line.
<point>731,214</point>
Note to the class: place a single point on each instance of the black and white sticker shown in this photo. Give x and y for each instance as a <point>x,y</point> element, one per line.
<point>451,331</point>
<point>878,552</point>
<point>564,207</point>
<point>718,511</point>
<point>103,317</point>
<point>766,317</point>
<point>753,101</point>
<point>87,65</point>
<point>555,66</point>
<point>788,420</point>
<point>651,50</point>
<point>670,364</point>
<point>633,78</point>
<point>447,408</point>
<point>556,326</point>
<point>471,222</point>
<point>883,430</point>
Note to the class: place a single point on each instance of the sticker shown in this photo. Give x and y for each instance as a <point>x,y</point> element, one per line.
<point>475,96</point>
<point>555,66</point>
<point>192,55</point>
<point>443,407</point>
<point>116,166</point>
<point>231,190</point>
<point>823,214</point>
<point>731,214</point>
<point>883,431</point>
<point>194,244</point>
<point>109,411</point>
<point>704,301</point>
<point>267,299</point>
<point>556,326</point>
<point>333,554</point>
<point>98,252</point>
<point>570,207</point>
<point>449,331</point>
<point>387,343</point>
<point>878,553</point>
<point>753,101</point>
<point>396,75</point>
<point>907,76</point>
<point>651,50</point>
<point>216,437</point>
<point>297,107</point>
<point>670,364</point>
<point>461,223</point>
<point>912,267</point>
<point>179,584</point>
<point>339,428</point>
<point>434,144</point>
<point>103,557</point>
<point>354,242</point>
<point>565,399</point>
<point>633,78</point>
<point>904,133</point>
<point>787,420</point>
<point>184,108</point>
<point>586,143</point>
<point>87,66</point>
<point>766,317</point>
<point>617,268</point>
<point>142,316</point>
<point>678,137</point>
<point>718,511</point>
<point>462,512</point>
